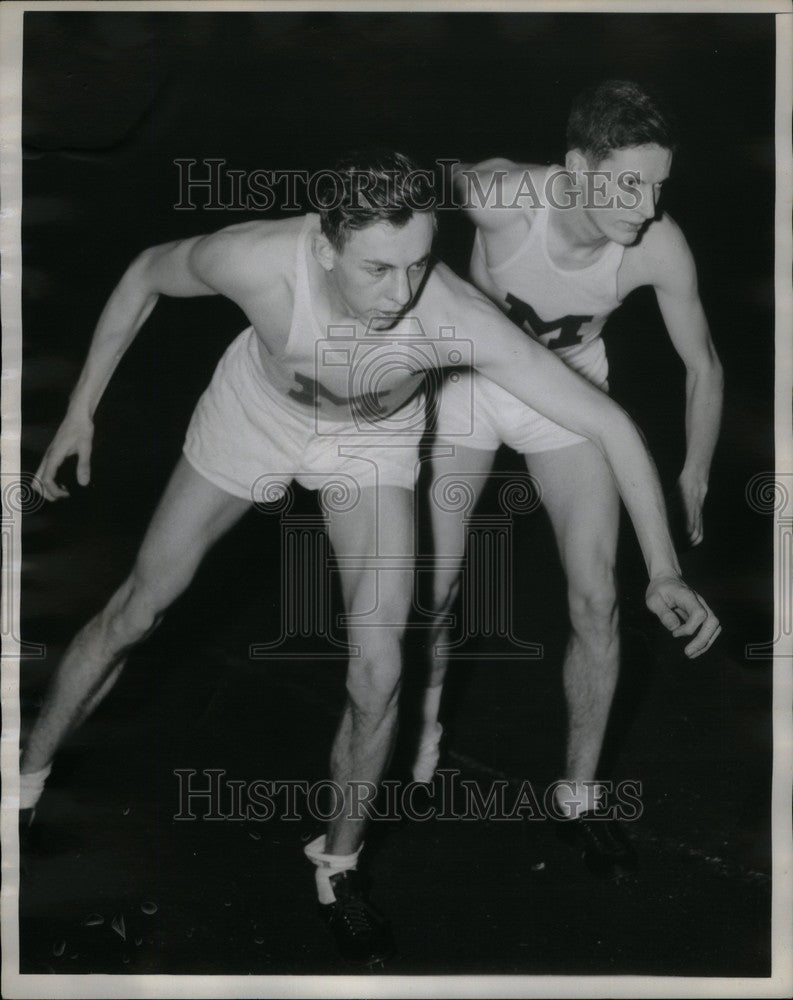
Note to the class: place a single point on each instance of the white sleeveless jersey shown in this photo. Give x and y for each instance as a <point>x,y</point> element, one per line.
<point>564,309</point>
<point>344,372</point>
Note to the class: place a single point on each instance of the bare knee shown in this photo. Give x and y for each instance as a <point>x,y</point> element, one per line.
<point>141,601</point>
<point>593,606</point>
<point>445,591</point>
<point>374,676</point>
<point>129,616</point>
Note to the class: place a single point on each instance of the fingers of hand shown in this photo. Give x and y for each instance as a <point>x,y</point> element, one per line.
<point>693,617</point>
<point>669,619</point>
<point>64,445</point>
<point>84,467</point>
<point>694,525</point>
<point>707,636</point>
<point>661,607</point>
<point>684,613</point>
<point>53,490</point>
<point>708,630</point>
<point>46,473</point>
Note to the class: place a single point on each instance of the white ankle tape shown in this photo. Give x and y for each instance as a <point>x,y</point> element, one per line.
<point>327,866</point>
<point>332,863</point>
<point>575,798</point>
<point>31,786</point>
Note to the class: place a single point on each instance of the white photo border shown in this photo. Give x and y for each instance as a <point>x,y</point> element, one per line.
<point>14,984</point>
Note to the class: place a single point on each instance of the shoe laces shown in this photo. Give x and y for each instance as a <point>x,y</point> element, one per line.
<point>352,908</point>
<point>356,915</point>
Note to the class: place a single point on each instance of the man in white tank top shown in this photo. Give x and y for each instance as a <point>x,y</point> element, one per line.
<point>558,250</point>
<point>346,316</point>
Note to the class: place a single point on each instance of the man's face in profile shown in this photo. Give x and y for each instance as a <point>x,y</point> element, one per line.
<point>628,183</point>
<point>379,270</point>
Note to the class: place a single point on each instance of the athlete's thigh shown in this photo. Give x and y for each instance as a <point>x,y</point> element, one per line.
<point>373,541</point>
<point>191,515</point>
<point>582,501</point>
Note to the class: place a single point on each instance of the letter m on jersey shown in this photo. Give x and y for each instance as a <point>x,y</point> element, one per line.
<point>522,314</point>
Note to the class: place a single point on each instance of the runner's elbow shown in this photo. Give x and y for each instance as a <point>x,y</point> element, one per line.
<point>615,429</point>
<point>141,271</point>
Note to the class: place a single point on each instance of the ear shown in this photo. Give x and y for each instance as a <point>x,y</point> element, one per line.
<point>576,163</point>
<point>323,251</point>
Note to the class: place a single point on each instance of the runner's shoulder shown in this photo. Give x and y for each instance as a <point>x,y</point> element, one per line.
<point>449,299</point>
<point>663,242</point>
<point>663,254</point>
<point>494,185</point>
<point>261,238</point>
<point>248,251</point>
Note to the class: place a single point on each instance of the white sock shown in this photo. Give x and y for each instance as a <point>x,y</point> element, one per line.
<point>430,709</point>
<point>31,786</point>
<point>328,865</point>
<point>573,798</point>
<point>430,736</point>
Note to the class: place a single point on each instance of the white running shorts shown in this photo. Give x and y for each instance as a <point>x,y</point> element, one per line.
<point>474,412</point>
<point>246,438</point>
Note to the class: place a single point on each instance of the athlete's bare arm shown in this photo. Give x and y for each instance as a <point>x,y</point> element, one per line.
<point>497,193</point>
<point>669,267</point>
<point>538,378</point>
<point>221,263</point>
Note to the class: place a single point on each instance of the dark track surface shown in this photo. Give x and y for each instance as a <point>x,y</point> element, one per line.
<point>465,896</point>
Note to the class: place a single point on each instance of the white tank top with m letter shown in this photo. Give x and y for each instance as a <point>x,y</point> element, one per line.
<point>564,309</point>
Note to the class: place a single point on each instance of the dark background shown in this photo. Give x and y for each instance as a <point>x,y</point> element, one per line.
<point>109,101</point>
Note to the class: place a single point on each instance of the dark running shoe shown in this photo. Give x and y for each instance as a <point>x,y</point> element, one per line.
<point>362,935</point>
<point>604,845</point>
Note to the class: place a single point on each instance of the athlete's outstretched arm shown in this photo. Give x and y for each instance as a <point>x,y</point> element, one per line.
<point>538,378</point>
<point>171,269</point>
<point>675,282</point>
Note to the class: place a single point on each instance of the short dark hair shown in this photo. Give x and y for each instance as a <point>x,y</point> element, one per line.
<point>616,114</point>
<point>371,186</point>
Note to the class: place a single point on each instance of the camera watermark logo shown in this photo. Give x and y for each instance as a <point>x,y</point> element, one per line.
<point>375,379</point>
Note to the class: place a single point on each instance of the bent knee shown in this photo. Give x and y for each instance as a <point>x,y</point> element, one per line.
<point>594,604</point>
<point>446,587</point>
<point>138,606</point>
<point>374,678</point>
<point>158,583</point>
